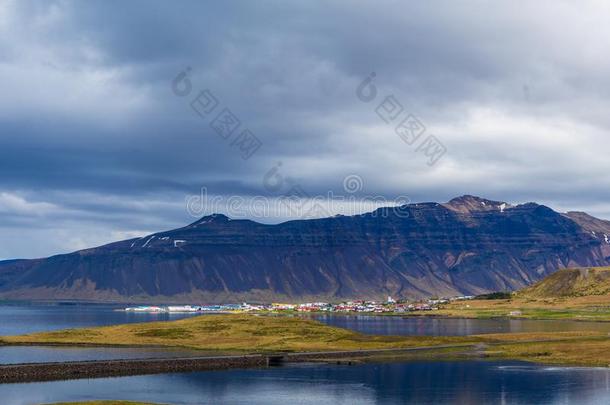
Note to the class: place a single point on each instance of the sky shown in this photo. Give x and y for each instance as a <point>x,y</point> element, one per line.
<point>122,118</point>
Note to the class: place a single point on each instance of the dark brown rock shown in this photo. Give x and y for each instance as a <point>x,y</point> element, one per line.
<point>466,246</point>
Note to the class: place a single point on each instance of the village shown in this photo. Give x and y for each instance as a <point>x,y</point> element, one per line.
<point>363,306</point>
<point>390,305</point>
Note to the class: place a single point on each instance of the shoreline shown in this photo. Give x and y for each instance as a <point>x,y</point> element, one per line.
<point>58,371</point>
<point>259,340</point>
<point>62,371</point>
<point>441,316</point>
<point>406,315</point>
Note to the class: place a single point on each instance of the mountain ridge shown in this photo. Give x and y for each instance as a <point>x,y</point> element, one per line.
<point>469,245</point>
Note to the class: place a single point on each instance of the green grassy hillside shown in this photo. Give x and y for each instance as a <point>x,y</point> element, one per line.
<point>571,283</point>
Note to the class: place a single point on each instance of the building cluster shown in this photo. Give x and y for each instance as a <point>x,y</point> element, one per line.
<point>362,306</point>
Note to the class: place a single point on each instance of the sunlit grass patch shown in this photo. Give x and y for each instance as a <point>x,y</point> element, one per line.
<point>230,333</point>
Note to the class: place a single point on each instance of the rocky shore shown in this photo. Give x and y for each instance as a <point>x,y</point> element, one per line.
<point>18,373</point>
<point>34,372</point>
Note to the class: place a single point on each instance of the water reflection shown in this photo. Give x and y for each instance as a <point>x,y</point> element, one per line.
<point>420,326</point>
<point>41,354</point>
<point>19,319</point>
<point>465,382</point>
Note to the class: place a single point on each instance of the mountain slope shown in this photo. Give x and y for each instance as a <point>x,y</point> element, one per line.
<point>469,245</point>
<point>571,283</point>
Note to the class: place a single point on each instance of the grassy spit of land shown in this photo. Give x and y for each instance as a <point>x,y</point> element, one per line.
<point>584,351</point>
<point>233,333</point>
<point>591,308</point>
<point>263,334</point>
<point>573,294</point>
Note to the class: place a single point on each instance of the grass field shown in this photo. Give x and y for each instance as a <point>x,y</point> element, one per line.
<point>234,333</point>
<point>591,308</point>
<point>588,351</point>
<point>573,294</point>
<point>263,334</point>
<point>576,294</point>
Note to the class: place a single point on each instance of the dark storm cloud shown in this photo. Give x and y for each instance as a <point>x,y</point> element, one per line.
<point>95,146</point>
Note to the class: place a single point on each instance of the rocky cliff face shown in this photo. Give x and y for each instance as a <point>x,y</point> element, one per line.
<point>469,245</point>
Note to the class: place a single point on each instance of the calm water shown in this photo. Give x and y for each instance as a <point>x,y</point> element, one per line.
<point>18,319</point>
<point>40,354</point>
<point>426,326</point>
<point>465,382</point>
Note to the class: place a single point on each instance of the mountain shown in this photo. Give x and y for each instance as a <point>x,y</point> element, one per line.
<point>468,245</point>
<point>571,283</point>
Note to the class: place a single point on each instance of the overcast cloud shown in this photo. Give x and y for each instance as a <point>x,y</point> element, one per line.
<point>96,147</point>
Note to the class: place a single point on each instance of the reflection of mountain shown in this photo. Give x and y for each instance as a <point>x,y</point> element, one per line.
<point>466,246</point>
<point>413,382</point>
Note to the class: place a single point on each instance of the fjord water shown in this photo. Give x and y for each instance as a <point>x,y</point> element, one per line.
<point>434,382</point>
<point>21,318</point>
<point>433,326</point>
<point>431,382</point>
<point>43,354</point>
